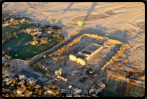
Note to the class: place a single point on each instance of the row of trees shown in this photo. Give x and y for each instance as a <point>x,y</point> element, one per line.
<point>9,36</point>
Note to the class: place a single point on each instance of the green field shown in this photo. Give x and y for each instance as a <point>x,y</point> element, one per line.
<point>21,38</point>
<point>27,51</point>
<point>23,25</point>
<point>11,30</point>
<point>24,51</point>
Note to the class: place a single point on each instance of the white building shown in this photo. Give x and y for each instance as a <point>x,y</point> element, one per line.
<point>29,22</point>
<point>63,90</point>
<point>38,33</point>
<point>4,59</point>
<point>11,20</point>
<point>22,20</point>
<point>43,38</point>
<point>38,86</point>
<point>6,24</point>
<point>32,81</point>
<point>77,91</point>
<point>34,42</point>
<point>68,95</point>
<point>21,76</point>
<point>21,89</point>
<point>28,29</point>
<point>49,91</point>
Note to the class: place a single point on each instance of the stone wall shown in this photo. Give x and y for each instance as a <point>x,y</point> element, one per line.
<point>94,53</point>
<point>72,57</point>
<point>81,61</point>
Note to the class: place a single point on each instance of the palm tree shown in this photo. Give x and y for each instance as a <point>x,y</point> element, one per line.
<point>53,87</point>
<point>55,62</point>
<point>3,52</point>
<point>95,82</point>
<point>34,95</point>
<point>54,93</point>
<point>16,55</point>
<point>47,78</point>
<point>2,41</point>
<point>26,75</point>
<point>5,64</point>
<point>45,87</point>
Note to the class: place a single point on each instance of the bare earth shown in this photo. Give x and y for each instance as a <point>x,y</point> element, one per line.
<point>125,20</point>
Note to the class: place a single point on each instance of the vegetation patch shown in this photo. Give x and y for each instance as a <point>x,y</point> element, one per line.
<point>24,25</point>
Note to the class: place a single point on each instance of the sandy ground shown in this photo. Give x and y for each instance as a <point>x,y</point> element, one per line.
<point>124,19</point>
<point>120,19</point>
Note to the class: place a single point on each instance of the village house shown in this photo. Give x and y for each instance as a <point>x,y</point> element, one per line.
<point>37,29</point>
<point>29,29</point>
<point>32,81</point>
<point>22,82</point>
<point>49,91</point>
<point>38,33</point>
<point>4,59</point>
<point>43,38</point>
<point>15,22</point>
<point>29,22</point>
<point>22,20</point>
<point>34,42</point>
<point>38,86</point>
<point>30,93</point>
<point>48,31</point>
<point>21,76</point>
<point>21,89</point>
<point>11,20</point>
<point>5,24</point>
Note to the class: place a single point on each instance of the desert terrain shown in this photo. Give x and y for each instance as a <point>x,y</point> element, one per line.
<point>122,21</point>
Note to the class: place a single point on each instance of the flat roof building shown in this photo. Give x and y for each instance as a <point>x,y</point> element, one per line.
<point>84,55</point>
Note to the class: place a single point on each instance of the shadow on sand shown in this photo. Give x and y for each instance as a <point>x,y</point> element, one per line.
<point>68,7</point>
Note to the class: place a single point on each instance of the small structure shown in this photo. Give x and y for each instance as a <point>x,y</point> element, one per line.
<point>97,87</point>
<point>34,42</point>
<point>29,22</point>
<point>70,86</point>
<point>50,59</point>
<point>22,82</point>
<point>39,33</point>
<point>62,78</point>
<point>63,90</point>
<point>49,91</point>
<point>4,59</point>
<point>43,38</point>
<point>137,91</point>
<point>21,89</point>
<point>6,24</point>
<point>22,20</point>
<point>58,72</point>
<point>29,29</point>
<point>21,76</point>
<point>48,31</point>
<point>11,20</point>
<point>30,93</point>
<point>38,86</point>
<point>77,91</point>
<point>37,30</point>
<point>31,81</point>
<point>68,95</point>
